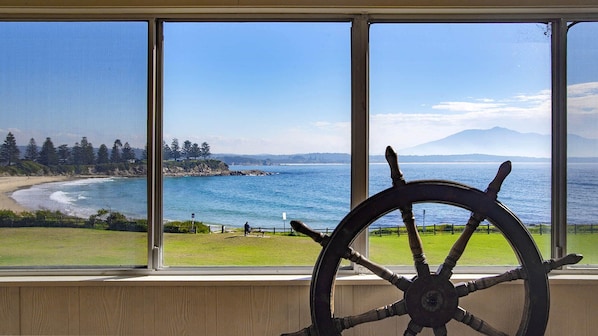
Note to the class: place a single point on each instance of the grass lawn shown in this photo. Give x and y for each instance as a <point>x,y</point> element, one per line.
<point>88,247</point>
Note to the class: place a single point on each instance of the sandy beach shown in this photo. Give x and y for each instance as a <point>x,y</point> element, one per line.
<point>8,184</point>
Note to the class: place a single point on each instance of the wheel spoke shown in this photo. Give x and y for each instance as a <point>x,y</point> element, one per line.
<point>398,281</point>
<point>415,243</point>
<point>446,269</point>
<point>464,289</point>
<point>476,323</point>
<point>344,323</point>
<point>412,329</point>
<point>395,309</point>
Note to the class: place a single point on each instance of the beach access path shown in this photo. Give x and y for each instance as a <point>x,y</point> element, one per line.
<point>8,184</point>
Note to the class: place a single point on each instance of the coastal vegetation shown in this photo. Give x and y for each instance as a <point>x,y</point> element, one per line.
<point>102,220</point>
<point>121,160</point>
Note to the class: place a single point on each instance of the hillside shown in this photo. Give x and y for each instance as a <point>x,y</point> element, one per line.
<point>503,142</point>
<point>490,145</point>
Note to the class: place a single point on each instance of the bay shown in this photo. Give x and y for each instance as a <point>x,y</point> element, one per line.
<point>316,194</point>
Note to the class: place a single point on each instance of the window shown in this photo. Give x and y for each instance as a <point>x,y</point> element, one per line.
<point>269,105</point>
<point>582,149</point>
<point>456,100</point>
<point>73,97</point>
<point>253,95</point>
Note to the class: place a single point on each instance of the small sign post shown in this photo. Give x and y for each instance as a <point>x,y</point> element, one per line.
<point>193,222</point>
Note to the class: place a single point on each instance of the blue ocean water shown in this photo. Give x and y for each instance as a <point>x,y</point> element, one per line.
<point>316,194</point>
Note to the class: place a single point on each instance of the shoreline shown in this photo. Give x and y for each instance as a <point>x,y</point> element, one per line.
<point>9,184</point>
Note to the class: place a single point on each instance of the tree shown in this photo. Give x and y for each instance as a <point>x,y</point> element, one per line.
<point>115,154</point>
<point>195,151</point>
<point>31,152</point>
<point>77,154</point>
<point>187,149</point>
<point>144,153</point>
<point>128,153</point>
<point>47,155</point>
<point>103,155</point>
<point>87,153</point>
<point>9,152</point>
<point>175,150</point>
<point>166,152</point>
<point>64,154</point>
<point>205,150</point>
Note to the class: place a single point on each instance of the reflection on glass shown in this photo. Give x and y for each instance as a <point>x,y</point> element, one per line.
<point>456,100</point>
<point>244,104</point>
<point>73,125</point>
<point>582,142</point>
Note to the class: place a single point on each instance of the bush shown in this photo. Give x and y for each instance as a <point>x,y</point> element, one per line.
<point>185,227</point>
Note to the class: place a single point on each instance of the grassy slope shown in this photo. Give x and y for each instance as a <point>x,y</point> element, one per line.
<point>65,246</point>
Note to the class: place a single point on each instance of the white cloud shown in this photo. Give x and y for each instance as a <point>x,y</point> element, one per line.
<point>523,113</point>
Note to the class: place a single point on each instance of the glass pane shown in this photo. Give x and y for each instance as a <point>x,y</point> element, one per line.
<point>248,110</point>
<point>73,97</point>
<point>455,101</point>
<point>582,139</point>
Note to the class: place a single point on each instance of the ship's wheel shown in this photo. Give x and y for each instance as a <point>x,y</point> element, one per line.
<point>430,299</point>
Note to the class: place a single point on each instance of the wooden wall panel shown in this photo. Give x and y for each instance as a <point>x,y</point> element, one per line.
<point>573,310</point>
<point>297,314</point>
<point>9,311</point>
<point>49,311</point>
<point>183,310</point>
<point>258,310</point>
<point>112,310</point>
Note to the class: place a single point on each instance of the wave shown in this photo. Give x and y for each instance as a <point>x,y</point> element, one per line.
<point>61,197</point>
<point>88,181</point>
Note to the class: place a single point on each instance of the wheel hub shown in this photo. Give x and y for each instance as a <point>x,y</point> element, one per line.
<point>431,301</point>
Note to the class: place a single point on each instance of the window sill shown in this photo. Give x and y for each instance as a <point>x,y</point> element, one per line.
<point>240,280</point>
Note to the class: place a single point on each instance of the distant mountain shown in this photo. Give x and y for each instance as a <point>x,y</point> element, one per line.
<point>503,142</point>
<point>276,159</point>
<point>476,145</point>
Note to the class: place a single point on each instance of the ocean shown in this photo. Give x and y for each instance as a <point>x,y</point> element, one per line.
<point>315,194</point>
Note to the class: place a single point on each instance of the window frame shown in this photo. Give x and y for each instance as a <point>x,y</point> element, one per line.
<point>359,111</point>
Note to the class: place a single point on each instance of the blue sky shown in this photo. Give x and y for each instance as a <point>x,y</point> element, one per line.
<point>278,88</point>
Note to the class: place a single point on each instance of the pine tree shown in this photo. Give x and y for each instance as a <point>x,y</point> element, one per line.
<point>31,152</point>
<point>115,154</point>
<point>195,151</point>
<point>103,155</point>
<point>166,152</point>
<point>128,153</point>
<point>48,155</point>
<point>64,154</point>
<point>205,150</point>
<point>87,154</point>
<point>187,149</point>
<point>9,152</point>
<point>175,150</point>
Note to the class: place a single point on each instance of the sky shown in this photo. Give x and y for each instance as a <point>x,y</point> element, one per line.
<point>284,88</point>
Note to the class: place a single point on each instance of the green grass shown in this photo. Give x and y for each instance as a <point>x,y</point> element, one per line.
<point>88,247</point>
<point>71,247</point>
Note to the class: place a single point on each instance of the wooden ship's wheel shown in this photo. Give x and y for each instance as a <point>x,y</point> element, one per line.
<point>430,299</point>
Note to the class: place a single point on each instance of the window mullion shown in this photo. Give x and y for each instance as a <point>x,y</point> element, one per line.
<point>155,82</point>
<point>559,138</point>
<point>360,119</point>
